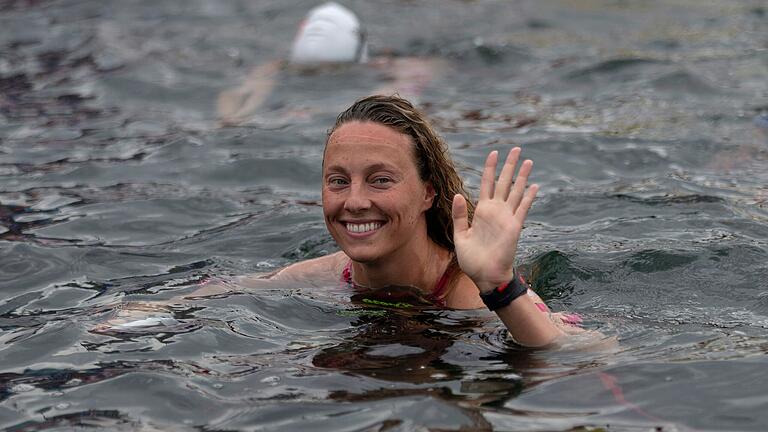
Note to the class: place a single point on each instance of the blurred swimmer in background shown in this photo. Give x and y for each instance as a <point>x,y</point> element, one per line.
<point>328,56</point>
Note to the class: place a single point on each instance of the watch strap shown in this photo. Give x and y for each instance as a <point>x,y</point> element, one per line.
<point>505,294</point>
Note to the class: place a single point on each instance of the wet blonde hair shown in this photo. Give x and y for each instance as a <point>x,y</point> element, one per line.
<point>430,153</point>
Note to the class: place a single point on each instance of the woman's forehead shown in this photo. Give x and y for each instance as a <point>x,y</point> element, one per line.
<point>369,143</point>
<point>362,133</point>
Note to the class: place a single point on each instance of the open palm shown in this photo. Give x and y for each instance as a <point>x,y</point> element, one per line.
<point>486,250</point>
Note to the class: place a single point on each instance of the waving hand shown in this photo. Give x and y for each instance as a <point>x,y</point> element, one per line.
<point>486,250</point>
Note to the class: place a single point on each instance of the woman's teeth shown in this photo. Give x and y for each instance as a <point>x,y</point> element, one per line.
<point>361,228</point>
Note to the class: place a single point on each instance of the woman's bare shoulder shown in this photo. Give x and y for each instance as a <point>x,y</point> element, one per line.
<point>325,267</point>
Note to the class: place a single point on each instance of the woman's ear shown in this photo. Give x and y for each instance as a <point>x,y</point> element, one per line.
<point>429,196</point>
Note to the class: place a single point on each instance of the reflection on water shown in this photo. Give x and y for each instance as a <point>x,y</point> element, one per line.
<point>120,191</point>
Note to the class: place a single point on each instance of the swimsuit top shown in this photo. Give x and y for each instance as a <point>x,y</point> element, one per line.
<point>436,296</point>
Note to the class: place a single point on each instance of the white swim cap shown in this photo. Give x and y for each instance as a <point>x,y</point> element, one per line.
<point>329,33</point>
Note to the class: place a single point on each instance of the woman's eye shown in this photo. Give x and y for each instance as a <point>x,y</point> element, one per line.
<point>337,181</point>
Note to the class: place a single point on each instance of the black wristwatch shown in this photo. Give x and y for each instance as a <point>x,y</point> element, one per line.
<point>506,293</point>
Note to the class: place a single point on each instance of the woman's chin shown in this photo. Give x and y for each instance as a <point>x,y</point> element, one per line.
<point>361,255</point>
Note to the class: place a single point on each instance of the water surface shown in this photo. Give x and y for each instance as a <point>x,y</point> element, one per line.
<point>118,185</point>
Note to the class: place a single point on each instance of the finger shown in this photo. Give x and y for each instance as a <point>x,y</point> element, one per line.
<point>507,174</point>
<point>489,175</point>
<point>525,204</point>
<point>460,216</point>
<point>520,183</point>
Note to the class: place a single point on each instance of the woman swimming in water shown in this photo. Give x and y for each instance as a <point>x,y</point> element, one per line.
<point>398,210</point>
<point>396,206</point>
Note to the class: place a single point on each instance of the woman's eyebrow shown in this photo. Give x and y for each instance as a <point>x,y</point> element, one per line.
<point>337,168</point>
<point>373,167</point>
<point>380,166</point>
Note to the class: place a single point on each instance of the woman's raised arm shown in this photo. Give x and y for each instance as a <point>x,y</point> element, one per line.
<point>486,250</point>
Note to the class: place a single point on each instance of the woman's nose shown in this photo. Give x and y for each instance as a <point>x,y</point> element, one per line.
<point>357,200</point>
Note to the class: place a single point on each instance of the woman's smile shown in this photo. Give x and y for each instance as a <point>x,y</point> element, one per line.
<point>362,229</point>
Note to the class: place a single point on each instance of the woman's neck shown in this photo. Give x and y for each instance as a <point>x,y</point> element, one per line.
<point>419,267</point>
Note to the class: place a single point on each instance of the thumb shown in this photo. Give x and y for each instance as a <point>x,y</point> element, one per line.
<point>459,213</point>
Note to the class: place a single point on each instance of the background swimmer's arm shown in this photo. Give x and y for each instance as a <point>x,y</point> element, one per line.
<point>486,251</point>
<point>238,104</point>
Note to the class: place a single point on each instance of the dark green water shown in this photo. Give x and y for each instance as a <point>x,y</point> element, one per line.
<point>118,185</point>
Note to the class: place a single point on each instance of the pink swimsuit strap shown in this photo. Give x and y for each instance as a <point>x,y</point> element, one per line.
<point>346,274</point>
<point>436,296</point>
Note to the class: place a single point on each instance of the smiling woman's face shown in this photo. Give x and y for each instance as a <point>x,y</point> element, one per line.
<point>373,199</point>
